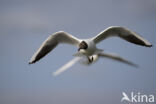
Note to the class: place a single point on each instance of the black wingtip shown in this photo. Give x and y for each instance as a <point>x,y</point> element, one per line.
<point>136,66</point>
<point>149,45</point>
<point>31,63</point>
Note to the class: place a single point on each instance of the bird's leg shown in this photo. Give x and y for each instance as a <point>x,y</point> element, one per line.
<point>90,59</point>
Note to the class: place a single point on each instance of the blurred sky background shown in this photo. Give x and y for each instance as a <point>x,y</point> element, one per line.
<point>25,24</point>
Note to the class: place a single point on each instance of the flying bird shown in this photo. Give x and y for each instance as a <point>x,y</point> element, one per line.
<point>87,47</point>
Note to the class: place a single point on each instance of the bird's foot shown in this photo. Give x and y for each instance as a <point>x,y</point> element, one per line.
<point>90,59</point>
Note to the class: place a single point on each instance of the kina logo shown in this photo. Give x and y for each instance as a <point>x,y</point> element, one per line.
<point>137,98</point>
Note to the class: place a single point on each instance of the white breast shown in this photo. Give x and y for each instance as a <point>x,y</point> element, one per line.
<point>91,47</point>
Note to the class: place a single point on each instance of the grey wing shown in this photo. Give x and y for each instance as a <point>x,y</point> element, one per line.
<point>51,42</point>
<point>123,33</point>
<point>66,66</point>
<point>117,58</point>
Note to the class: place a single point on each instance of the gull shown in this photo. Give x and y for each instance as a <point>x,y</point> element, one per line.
<point>87,47</point>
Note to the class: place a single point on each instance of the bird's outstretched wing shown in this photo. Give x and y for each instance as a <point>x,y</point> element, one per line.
<point>51,42</point>
<point>117,58</point>
<point>67,66</point>
<point>123,33</point>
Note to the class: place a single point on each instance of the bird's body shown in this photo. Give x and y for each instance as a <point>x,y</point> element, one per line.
<point>87,47</point>
<point>91,47</point>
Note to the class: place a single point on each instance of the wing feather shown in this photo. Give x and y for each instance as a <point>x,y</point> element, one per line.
<point>123,33</point>
<point>117,58</point>
<point>51,42</point>
<point>66,66</point>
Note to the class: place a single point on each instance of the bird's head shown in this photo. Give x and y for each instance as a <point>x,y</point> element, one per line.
<point>82,49</point>
<point>83,46</point>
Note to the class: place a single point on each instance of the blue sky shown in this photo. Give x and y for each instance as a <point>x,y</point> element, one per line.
<point>24,25</point>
